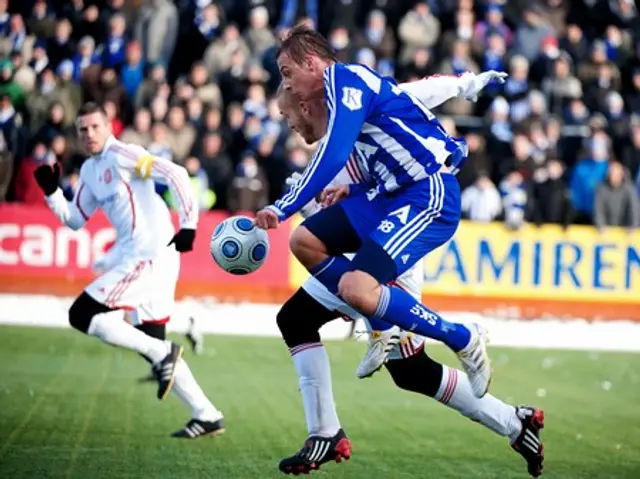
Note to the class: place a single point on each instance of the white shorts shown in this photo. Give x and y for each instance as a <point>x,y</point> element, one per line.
<point>145,287</point>
<point>410,343</point>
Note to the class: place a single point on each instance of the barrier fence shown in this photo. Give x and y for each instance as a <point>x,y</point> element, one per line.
<point>533,272</point>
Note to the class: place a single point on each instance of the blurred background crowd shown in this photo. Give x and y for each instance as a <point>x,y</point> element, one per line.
<point>193,81</point>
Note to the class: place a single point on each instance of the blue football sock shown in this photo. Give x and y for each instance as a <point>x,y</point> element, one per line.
<point>378,324</point>
<point>330,271</point>
<point>399,307</point>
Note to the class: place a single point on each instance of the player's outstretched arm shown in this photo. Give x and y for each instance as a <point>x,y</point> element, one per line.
<point>73,214</point>
<point>347,96</point>
<point>434,90</point>
<point>144,165</point>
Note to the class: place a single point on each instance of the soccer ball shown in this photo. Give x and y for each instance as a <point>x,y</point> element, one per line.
<point>237,246</point>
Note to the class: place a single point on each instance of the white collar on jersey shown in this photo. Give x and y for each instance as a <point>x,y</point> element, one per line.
<point>107,144</point>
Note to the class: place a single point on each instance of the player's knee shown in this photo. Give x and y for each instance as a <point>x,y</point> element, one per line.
<point>418,373</point>
<point>300,319</point>
<point>359,290</point>
<point>82,311</point>
<point>307,247</point>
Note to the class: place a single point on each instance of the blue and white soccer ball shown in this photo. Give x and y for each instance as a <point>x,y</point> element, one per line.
<point>238,247</point>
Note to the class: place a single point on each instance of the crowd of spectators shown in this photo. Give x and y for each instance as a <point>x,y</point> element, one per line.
<point>193,81</point>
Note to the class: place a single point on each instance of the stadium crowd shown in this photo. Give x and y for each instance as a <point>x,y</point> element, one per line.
<point>193,80</point>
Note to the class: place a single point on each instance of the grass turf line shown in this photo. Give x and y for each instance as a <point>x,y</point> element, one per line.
<point>70,407</point>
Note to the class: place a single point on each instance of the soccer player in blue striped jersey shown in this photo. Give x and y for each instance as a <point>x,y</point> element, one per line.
<point>410,208</point>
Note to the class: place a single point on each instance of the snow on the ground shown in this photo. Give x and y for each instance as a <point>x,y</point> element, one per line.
<point>249,319</point>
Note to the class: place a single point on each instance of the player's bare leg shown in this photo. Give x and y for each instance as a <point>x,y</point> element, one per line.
<point>521,425</point>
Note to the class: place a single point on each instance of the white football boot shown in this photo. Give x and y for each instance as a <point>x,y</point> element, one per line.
<point>475,360</point>
<point>380,344</point>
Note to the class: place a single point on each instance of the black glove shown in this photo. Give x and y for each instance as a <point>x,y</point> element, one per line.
<point>48,178</point>
<point>183,240</point>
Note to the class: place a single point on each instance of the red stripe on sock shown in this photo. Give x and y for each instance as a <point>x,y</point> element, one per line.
<point>297,349</point>
<point>452,382</point>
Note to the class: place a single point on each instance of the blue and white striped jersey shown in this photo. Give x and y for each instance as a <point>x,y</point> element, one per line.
<point>397,139</point>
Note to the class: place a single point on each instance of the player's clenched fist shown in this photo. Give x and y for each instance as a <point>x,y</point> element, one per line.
<point>48,177</point>
<point>333,194</point>
<point>266,219</point>
<point>183,240</point>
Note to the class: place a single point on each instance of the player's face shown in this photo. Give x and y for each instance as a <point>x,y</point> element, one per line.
<point>295,118</point>
<point>304,78</point>
<point>93,130</point>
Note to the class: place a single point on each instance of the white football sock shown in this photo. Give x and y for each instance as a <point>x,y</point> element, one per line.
<point>314,373</point>
<point>455,392</point>
<point>117,332</point>
<point>189,391</point>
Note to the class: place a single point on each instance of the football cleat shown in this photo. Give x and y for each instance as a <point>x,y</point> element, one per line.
<point>317,451</point>
<point>380,344</point>
<point>195,337</point>
<point>528,443</point>
<point>165,371</point>
<point>197,428</point>
<point>475,360</point>
<point>149,378</point>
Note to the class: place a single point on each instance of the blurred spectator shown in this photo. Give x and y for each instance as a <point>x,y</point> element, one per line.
<point>418,29</point>
<point>530,32</point>
<point>181,135</point>
<point>515,199</point>
<point>616,202</point>
<point>552,200</point>
<point>217,164</point>
<point>587,175</point>
<point>259,36</point>
<point>8,85</point>
<point>290,13</point>
<point>60,47</point>
<point>23,74</point>
<point>631,154</point>
<point>140,132</point>
<point>516,88</point>
<point>6,168</point>
<point>340,40</point>
<point>377,36</point>
<point>217,57</point>
<point>42,22</point>
<point>493,24</point>
<point>575,43</point>
<point>561,86</point>
<point>133,69</point>
<point>249,189</point>
<point>200,183</point>
<point>13,130</point>
<point>27,190</point>
<point>157,30</point>
<point>481,201</point>
<point>117,127</point>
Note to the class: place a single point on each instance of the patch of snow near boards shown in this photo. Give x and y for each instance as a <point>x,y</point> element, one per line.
<point>249,319</point>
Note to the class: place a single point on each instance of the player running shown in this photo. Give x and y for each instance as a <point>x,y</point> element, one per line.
<point>410,207</point>
<point>410,367</point>
<point>119,179</point>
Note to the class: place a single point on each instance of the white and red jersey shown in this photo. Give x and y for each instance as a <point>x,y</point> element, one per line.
<point>120,181</point>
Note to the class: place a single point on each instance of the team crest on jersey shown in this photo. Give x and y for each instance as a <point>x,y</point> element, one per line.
<point>352,98</point>
<point>108,176</point>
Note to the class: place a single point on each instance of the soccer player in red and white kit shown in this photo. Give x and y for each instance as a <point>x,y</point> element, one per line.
<point>119,179</point>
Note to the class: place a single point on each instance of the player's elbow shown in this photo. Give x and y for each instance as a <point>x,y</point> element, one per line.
<point>75,223</point>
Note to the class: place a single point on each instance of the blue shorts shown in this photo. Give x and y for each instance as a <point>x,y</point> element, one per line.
<point>407,224</point>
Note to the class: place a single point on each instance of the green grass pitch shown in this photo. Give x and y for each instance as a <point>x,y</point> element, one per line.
<point>71,407</point>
